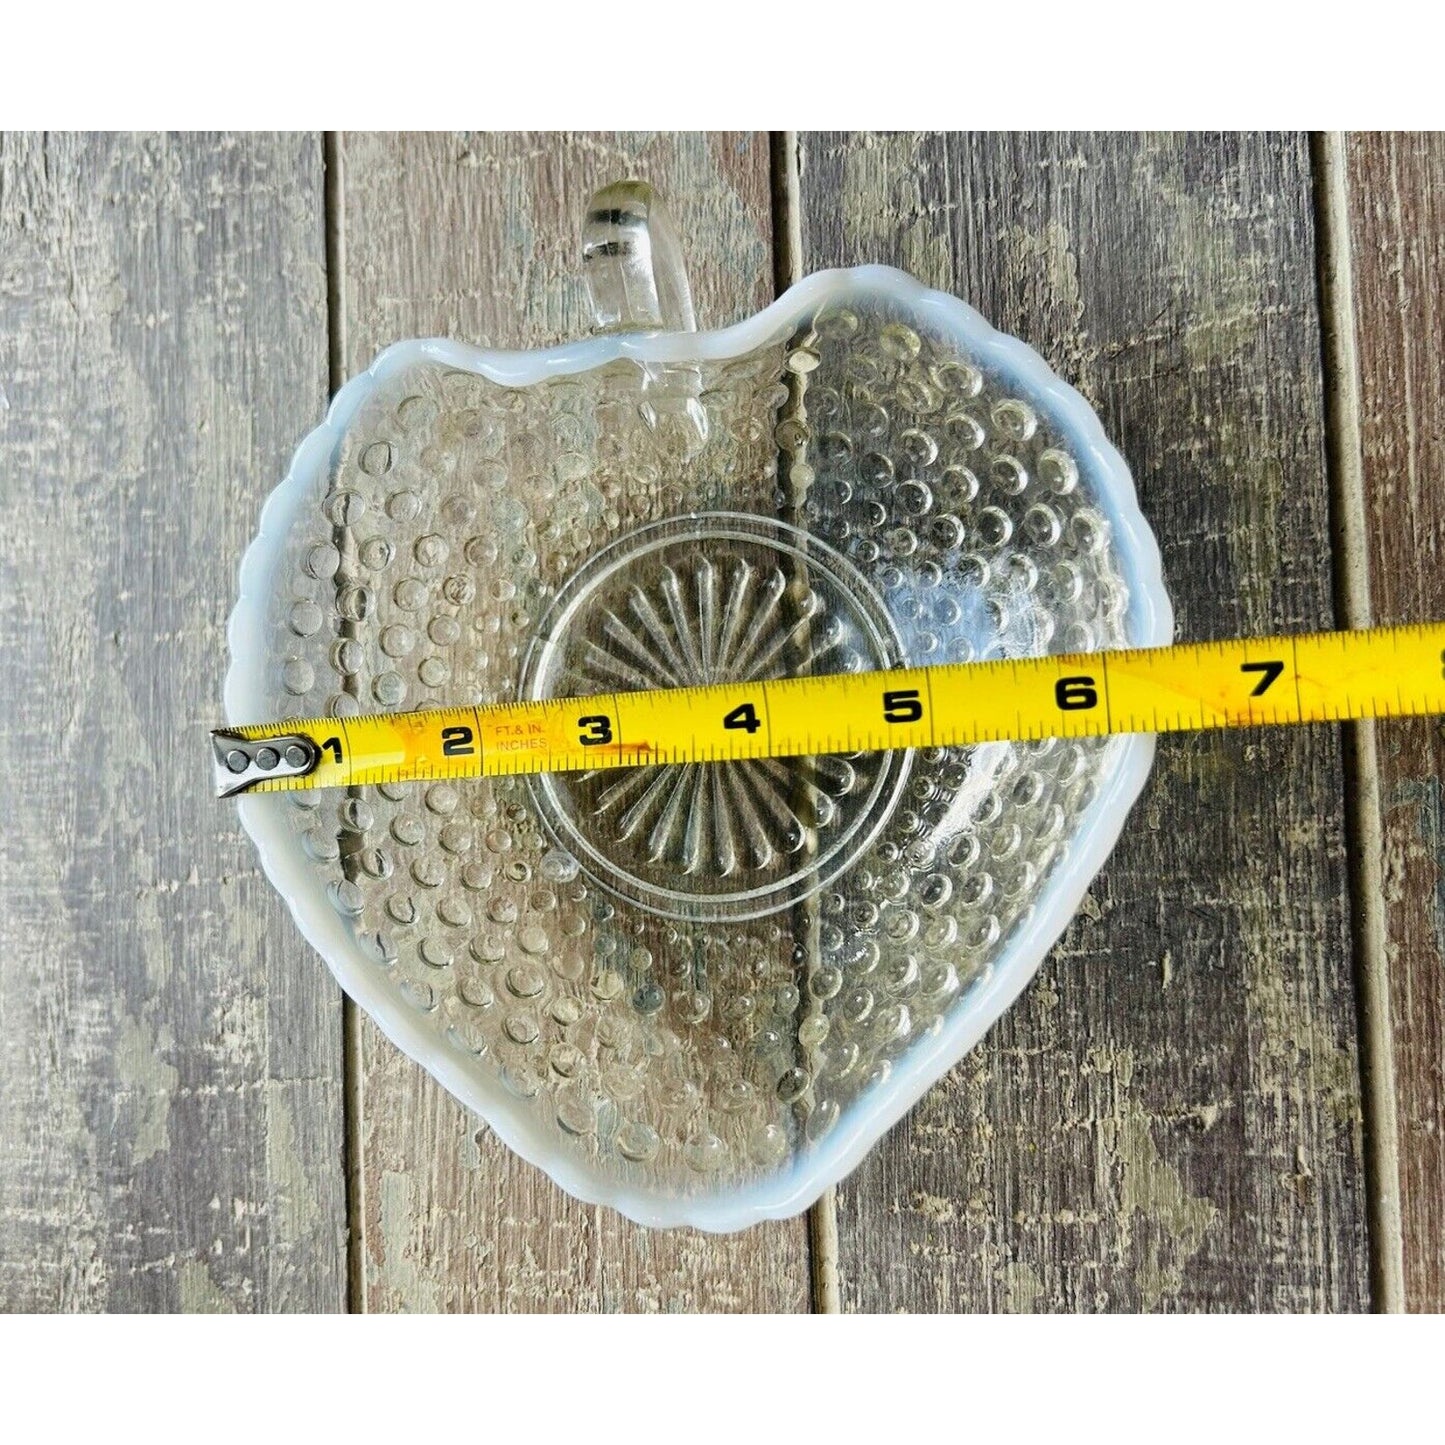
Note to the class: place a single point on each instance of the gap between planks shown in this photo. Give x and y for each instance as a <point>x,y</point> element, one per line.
<point>1363,819</point>
<point>787,271</point>
<point>334,199</point>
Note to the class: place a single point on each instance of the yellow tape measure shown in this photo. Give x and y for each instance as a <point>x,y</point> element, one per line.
<point>1318,677</point>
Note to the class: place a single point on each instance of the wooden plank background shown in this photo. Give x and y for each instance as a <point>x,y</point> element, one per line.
<point>1395,193</point>
<point>170,1061</point>
<point>1172,1117</point>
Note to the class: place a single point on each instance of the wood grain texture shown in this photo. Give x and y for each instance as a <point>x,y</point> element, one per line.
<point>1170,1117</point>
<point>1396,189</point>
<point>171,1109</point>
<point>479,237</point>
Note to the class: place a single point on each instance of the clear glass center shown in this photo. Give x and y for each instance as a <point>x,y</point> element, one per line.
<point>714,598</point>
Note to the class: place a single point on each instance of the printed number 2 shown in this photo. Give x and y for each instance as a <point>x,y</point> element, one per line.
<point>903,706</point>
<point>1269,673</point>
<point>457,742</point>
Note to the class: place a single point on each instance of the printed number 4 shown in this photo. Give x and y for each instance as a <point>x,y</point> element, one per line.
<point>743,718</point>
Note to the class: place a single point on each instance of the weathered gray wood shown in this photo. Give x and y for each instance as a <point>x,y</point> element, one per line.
<point>170,1116</point>
<point>1397,233</point>
<point>1170,1118</point>
<point>479,237</point>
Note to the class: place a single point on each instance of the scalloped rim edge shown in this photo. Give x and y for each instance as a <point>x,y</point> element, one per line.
<point>1149,623</point>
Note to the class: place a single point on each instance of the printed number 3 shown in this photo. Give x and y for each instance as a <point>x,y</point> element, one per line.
<point>595,730</point>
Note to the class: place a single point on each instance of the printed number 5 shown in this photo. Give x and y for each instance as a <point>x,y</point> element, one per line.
<point>903,706</point>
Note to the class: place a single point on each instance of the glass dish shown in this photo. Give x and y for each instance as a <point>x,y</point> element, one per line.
<point>696,993</point>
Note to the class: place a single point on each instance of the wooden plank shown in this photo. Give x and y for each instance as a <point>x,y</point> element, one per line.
<point>171,1120</point>
<point>1395,185</point>
<point>478,237</point>
<point>1170,1118</point>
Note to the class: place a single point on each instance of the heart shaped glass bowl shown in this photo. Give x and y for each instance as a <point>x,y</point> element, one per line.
<point>696,993</point>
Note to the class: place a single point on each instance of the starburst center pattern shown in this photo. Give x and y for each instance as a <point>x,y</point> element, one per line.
<point>710,600</point>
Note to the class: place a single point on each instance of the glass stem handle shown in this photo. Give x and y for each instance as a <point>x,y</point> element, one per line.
<point>632,261</point>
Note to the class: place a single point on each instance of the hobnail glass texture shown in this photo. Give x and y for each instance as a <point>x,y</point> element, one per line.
<point>698,992</point>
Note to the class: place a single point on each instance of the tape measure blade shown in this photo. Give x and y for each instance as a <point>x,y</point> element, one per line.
<point>1382,672</point>
<point>1314,677</point>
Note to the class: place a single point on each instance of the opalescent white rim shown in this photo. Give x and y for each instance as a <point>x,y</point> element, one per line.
<point>1149,623</point>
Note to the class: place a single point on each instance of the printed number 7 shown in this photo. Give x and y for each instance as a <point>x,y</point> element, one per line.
<point>1269,673</point>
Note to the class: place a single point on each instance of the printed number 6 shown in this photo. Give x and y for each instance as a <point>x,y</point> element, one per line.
<point>1075,694</point>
